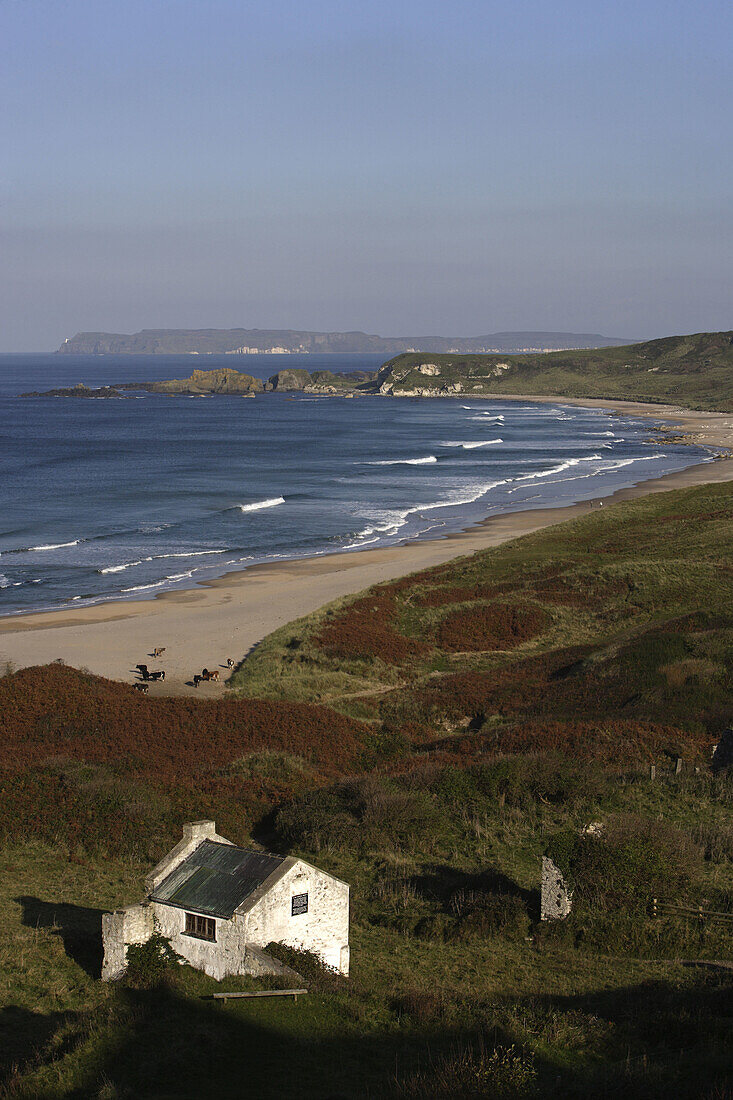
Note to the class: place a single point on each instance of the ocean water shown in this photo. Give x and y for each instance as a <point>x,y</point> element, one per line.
<point>129,498</point>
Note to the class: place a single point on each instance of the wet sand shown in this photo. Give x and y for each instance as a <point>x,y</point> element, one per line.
<point>227,616</point>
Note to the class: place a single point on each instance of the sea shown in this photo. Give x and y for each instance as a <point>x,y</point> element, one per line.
<point>128,498</point>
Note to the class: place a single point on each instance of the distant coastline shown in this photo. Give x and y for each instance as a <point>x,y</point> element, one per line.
<point>240,341</point>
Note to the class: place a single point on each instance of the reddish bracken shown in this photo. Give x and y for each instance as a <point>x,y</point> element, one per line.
<point>366,629</point>
<point>442,597</point>
<point>57,711</point>
<point>588,592</point>
<point>491,626</point>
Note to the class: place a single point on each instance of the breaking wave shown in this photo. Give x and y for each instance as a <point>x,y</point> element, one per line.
<point>45,546</point>
<point>392,520</point>
<point>427,461</point>
<point>470,445</point>
<point>159,584</point>
<point>157,557</point>
<point>560,468</point>
<point>257,505</point>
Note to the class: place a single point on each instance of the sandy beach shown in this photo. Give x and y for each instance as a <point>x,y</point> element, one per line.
<point>226,617</point>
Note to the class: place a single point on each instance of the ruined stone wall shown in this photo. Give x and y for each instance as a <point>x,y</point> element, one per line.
<point>133,924</point>
<point>556,898</point>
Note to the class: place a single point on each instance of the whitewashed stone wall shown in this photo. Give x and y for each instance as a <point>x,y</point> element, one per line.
<point>228,955</point>
<point>133,924</point>
<point>556,897</point>
<point>324,929</point>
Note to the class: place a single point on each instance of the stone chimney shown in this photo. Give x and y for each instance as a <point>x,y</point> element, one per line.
<point>199,830</point>
<point>194,834</point>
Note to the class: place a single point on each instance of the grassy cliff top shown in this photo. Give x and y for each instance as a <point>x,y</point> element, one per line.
<point>695,371</point>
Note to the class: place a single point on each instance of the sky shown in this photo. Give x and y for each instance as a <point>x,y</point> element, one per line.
<point>403,167</point>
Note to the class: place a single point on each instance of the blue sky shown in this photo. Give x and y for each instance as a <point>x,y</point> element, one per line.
<point>399,167</point>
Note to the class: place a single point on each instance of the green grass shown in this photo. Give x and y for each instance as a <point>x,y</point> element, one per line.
<point>695,371</point>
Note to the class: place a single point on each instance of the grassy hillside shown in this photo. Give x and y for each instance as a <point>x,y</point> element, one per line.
<point>695,371</point>
<point>427,741</point>
<point>623,615</point>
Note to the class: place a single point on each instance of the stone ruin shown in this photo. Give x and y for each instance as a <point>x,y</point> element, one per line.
<point>556,897</point>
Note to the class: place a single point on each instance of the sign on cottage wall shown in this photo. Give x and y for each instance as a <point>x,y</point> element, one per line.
<point>299,904</point>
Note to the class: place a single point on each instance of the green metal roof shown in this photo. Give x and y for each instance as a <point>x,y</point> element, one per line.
<point>216,879</point>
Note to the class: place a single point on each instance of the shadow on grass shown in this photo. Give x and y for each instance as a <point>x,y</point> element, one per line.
<point>660,1041</point>
<point>25,1035</point>
<point>438,882</point>
<point>79,928</point>
<point>159,1043</point>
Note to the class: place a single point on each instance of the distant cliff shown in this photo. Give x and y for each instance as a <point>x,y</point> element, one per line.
<point>241,341</point>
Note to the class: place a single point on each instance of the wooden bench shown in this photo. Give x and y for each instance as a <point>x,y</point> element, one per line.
<point>294,993</point>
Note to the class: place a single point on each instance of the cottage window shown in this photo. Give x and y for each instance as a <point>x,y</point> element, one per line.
<point>203,928</point>
<point>299,904</point>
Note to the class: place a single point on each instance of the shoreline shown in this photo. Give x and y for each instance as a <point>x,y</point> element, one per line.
<point>228,615</point>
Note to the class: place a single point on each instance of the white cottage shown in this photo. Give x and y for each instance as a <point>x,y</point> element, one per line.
<point>220,905</point>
